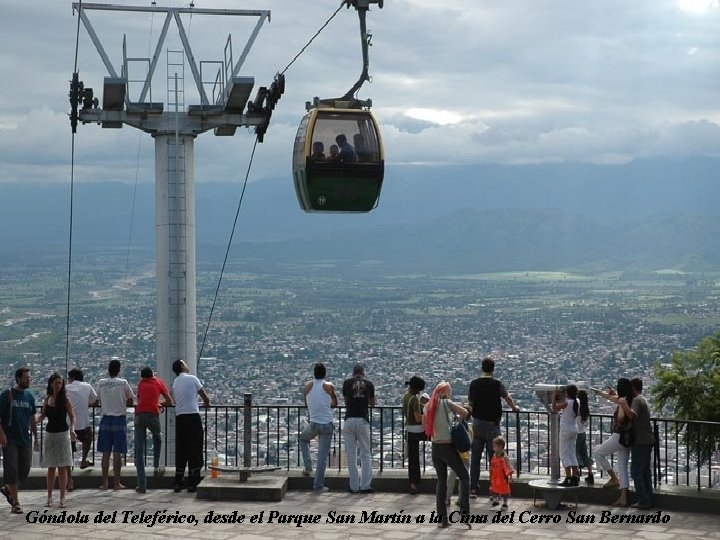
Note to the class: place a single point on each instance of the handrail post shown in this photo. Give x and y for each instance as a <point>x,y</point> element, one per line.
<point>247,430</point>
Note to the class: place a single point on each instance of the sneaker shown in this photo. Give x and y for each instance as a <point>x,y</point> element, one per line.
<point>307,472</point>
<point>368,490</point>
<point>192,489</point>
<point>612,483</point>
<point>140,489</point>
<point>473,493</point>
<point>323,489</point>
<point>494,503</point>
<point>590,479</point>
<point>504,506</point>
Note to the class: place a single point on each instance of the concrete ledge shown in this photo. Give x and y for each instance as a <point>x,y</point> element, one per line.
<point>680,498</point>
<point>259,487</point>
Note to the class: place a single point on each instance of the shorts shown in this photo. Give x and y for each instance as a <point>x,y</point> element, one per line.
<point>112,436</point>
<point>16,463</point>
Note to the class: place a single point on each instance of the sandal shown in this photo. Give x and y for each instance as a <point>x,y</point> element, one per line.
<point>6,492</point>
<point>17,509</point>
<point>48,504</point>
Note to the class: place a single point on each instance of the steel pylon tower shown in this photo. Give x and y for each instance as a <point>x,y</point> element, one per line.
<point>224,106</point>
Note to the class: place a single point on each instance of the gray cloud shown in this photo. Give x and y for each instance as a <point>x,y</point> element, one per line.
<point>460,82</point>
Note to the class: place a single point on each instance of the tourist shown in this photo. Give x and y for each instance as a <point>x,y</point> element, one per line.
<point>438,420</point>
<point>320,397</point>
<point>568,409</point>
<point>581,448</point>
<point>82,396</point>
<point>621,423</point>
<point>484,396</point>
<point>17,421</point>
<point>188,426</point>
<point>359,394</point>
<point>115,395</point>
<point>57,451</point>
<point>412,407</point>
<point>641,450</point>
<point>147,417</point>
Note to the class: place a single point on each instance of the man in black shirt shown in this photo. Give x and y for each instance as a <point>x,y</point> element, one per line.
<point>484,397</point>
<point>359,394</point>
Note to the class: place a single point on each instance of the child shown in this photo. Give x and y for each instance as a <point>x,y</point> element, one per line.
<point>500,473</point>
<point>581,450</point>
<point>465,457</point>
<point>568,432</point>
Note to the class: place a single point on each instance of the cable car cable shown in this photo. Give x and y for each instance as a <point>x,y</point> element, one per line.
<point>242,194</point>
<point>227,250</point>
<point>313,38</point>
<point>73,102</point>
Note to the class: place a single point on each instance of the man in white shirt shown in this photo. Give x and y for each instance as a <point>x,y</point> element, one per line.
<point>81,395</point>
<point>115,396</point>
<point>188,426</point>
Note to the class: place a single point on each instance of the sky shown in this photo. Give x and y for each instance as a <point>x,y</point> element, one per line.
<point>453,83</point>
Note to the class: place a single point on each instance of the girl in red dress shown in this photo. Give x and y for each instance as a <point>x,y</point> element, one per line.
<point>500,473</point>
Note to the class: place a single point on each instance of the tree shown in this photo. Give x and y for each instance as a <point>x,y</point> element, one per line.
<point>690,387</point>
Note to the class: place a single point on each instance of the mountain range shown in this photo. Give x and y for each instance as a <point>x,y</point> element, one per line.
<point>649,214</point>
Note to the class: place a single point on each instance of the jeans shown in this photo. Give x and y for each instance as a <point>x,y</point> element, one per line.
<point>640,471</point>
<point>444,456</point>
<point>357,441</point>
<point>143,422</point>
<point>324,432</point>
<point>483,434</point>
<point>609,447</point>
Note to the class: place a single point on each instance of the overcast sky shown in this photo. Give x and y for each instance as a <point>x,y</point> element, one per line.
<point>459,82</point>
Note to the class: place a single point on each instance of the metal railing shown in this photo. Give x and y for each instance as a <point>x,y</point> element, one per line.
<point>682,455</point>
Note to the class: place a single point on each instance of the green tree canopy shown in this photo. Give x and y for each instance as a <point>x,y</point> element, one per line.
<point>689,389</point>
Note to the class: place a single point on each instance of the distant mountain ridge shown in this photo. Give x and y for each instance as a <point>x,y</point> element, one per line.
<point>655,213</point>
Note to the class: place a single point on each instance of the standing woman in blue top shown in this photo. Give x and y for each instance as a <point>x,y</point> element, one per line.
<point>438,420</point>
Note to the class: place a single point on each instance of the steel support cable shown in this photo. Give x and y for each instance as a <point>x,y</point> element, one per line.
<point>313,38</point>
<point>72,190</point>
<point>227,250</point>
<point>247,174</point>
<point>242,194</point>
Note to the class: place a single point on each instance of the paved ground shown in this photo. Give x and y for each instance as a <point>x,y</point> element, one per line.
<point>120,507</point>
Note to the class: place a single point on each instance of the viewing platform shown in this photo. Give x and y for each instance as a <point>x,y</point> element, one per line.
<point>389,513</point>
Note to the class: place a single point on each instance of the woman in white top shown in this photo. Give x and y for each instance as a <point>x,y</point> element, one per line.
<point>568,432</point>
<point>438,419</point>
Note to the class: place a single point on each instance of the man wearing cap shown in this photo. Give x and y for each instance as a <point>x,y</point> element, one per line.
<point>359,394</point>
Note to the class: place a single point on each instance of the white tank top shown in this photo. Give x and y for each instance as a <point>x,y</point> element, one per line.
<point>318,402</point>
<point>568,423</point>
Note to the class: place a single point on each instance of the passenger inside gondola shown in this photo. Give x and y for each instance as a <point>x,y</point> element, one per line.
<point>361,150</point>
<point>347,153</point>
<point>334,153</point>
<point>318,153</point>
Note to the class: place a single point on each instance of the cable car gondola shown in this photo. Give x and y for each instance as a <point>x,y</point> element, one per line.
<point>338,160</point>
